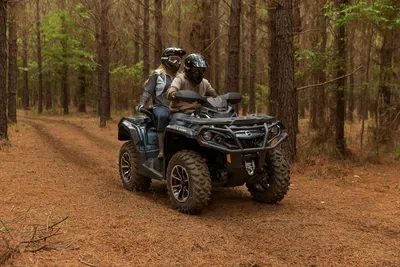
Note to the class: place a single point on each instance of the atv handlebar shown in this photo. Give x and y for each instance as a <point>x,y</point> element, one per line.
<point>146,112</point>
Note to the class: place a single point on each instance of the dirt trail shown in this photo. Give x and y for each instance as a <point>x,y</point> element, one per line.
<point>67,166</point>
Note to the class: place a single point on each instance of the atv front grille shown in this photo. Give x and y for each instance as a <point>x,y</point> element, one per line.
<point>230,138</point>
<point>252,143</point>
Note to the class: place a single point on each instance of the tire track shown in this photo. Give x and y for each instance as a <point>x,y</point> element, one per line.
<point>98,140</point>
<point>78,158</point>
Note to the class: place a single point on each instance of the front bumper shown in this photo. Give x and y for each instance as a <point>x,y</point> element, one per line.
<point>236,143</point>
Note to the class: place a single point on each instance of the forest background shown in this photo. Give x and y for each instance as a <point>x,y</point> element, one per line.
<point>327,68</point>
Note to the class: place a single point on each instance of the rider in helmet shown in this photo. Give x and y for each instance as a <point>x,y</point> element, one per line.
<point>156,87</point>
<point>190,79</point>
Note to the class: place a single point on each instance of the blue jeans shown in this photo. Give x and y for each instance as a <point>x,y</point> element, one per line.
<point>162,118</point>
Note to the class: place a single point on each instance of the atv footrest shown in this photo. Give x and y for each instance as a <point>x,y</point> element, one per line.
<point>154,166</point>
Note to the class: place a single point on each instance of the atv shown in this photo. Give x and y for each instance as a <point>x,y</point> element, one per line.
<point>211,147</point>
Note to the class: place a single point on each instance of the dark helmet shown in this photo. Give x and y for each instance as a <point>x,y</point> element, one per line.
<point>195,66</point>
<point>172,58</point>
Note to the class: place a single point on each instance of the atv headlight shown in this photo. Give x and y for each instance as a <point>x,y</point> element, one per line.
<point>207,136</point>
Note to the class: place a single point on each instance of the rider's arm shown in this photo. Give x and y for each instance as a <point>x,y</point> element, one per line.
<point>209,90</point>
<point>175,87</point>
<point>148,90</point>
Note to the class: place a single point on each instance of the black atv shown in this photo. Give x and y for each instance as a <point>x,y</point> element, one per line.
<point>212,147</point>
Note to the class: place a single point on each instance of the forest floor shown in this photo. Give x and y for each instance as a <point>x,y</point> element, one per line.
<point>58,167</point>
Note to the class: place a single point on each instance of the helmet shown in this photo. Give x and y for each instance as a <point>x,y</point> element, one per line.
<point>172,58</point>
<point>195,66</point>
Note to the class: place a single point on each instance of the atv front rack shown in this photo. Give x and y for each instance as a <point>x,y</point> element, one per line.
<point>243,139</point>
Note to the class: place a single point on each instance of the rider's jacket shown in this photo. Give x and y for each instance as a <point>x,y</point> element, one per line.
<point>181,82</point>
<point>156,88</point>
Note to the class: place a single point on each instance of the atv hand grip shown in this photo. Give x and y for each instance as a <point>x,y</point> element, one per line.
<point>146,112</point>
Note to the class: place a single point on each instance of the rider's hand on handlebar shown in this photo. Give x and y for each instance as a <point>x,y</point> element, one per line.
<point>139,107</point>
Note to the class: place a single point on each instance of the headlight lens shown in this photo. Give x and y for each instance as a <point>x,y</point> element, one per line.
<point>207,136</point>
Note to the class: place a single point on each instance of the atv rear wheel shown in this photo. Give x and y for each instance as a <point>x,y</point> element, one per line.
<point>275,185</point>
<point>129,160</point>
<point>188,182</point>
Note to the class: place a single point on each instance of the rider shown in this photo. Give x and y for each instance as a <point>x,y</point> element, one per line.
<point>191,79</point>
<point>156,87</point>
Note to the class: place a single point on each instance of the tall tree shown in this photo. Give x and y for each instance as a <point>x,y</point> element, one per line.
<point>283,86</point>
<point>253,57</point>
<point>64,55</point>
<point>82,89</point>
<point>12,62</point>
<point>272,60</point>
<point>217,53</point>
<point>318,76</point>
<point>232,73</point>
<point>340,39</point>
<point>3,70</point>
<point>104,57</point>
<point>146,42</point>
<point>25,84</point>
<point>39,57</point>
<point>244,58</point>
<point>179,22</point>
<point>158,14</point>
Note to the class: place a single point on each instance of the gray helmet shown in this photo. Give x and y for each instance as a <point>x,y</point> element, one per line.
<point>195,61</point>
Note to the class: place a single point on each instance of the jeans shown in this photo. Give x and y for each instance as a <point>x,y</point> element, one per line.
<point>178,115</point>
<point>162,118</point>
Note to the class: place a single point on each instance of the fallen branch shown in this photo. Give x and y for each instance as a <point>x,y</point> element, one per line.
<point>50,247</point>
<point>85,262</point>
<point>40,239</point>
<point>328,82</point>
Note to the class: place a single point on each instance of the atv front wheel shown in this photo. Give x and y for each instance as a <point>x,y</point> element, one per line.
<point>129,160</point>
<point>275,184</point>
<point>188,182</point>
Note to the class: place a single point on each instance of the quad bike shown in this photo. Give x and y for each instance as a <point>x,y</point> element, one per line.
<point>212,147</point>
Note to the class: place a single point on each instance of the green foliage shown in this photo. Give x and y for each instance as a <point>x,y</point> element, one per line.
<point>55,34</point>
<point>131,75</point>
<point>397,151</point>
<point>261,96</point>
<point>382,13</point>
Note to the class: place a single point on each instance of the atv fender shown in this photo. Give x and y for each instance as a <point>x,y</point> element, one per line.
<point>129,131</point>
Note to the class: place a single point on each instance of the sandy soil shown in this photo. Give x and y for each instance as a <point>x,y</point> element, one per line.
<point>65,166</point>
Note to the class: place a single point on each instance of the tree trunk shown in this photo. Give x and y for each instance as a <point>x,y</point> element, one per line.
<point>365,90</point>
<point>217,51</point>
<point>384,108</point>
<point>179,22</point>
<point>48,94</point>
<point>3,70</point>
<point>99,67</point>
<point>39,58</point>
<point>25,89</point>
<point>232,74</point>
<point>12,62</point>
<point>146,38</point>
<point>341,83</point>
<point>105,60</point>
<point>64,68</point>
<point>273,57</point>
<point>284,88</point>
<point>136,58</point>
<point>317,97</point>
<point>244,72</point>
<point>158,13</point>
<point>206,36</point>
<point>82,89</point>
<point>350,95</point>
<point>253,57</point>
